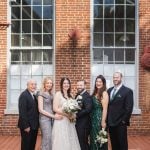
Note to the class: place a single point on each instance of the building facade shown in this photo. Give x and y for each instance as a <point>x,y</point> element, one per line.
<point>79,39</point>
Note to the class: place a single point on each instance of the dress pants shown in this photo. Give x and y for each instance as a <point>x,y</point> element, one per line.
<point>118,137</point>
<point>83,138</point>
<point>28,140</point>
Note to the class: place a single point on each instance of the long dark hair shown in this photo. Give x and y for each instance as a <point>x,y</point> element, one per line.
<point>61,87</point>
<point>102,89</point>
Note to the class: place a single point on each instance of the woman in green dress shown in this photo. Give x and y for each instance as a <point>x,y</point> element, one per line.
<point>99,112</point>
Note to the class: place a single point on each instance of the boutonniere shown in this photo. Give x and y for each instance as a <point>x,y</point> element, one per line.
<point>79,97</point>
<point>79,100</point>
<point>118,95</point>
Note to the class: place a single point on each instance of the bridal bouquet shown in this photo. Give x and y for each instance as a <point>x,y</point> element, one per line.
<point>102,137</point>
<point>71,107</point>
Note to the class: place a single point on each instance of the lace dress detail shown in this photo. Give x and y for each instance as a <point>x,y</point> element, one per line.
<point>64,136</point>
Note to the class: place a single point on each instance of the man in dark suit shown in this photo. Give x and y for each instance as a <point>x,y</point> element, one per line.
<point>83,115</point>
<point>28,117</point>
<point>119,112</point>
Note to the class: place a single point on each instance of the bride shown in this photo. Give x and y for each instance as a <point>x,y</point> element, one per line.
<point>64,136</point>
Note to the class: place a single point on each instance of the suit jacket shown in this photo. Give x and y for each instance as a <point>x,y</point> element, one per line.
<point>83,115</point>
<point>120,108</point>
<point>28,111</point>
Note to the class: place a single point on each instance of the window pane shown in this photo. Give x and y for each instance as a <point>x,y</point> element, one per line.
<point>26,12</point>
<point>26,2</point>
<point>98,1</point>
<point>47,40</point>
<point>109,1</point>
<point>130,13</point>
<point>16,2</point>
<point>15,82</point>
<point>47,12</point>
<point>109,39</point>
<point>37,2</point>
<point>130,25</point>
<point>47,26</point>
<point>37,12</point>
<point>98,11</point>
<point>108,56</point>
<point>37,26</point>
<point>26,26</point>
<point>98,39</point>
<point>98,25</point>
<point>130,56</point>
<point>15,26</point>
<point>47,56</point>
<point>15,56</point>
<point>47,2</point>
<point>109,25</point>
<point>119,1</point>
<point>26,39</point>
<point>130,40</point>
<point>15,13</point>
<point>130,1</point>
<point>37,70</point>
<point>109,11</point>
<point>98,55</point>
<point>26,56</point>
<point>15,40</point>
<point>119,56</point>
<point>119,12</point>
<point>37,56</point>
<point>15,69</point>
<point>119,39</point>
<point>119,25</point>
<point>37,40</point>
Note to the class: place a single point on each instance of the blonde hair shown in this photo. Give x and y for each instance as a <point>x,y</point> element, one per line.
<point>43,85</point>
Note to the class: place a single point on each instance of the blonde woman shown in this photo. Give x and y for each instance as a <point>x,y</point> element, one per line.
<point>46,115</point>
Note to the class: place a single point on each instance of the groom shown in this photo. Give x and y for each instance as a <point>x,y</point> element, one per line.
<point>83,116</point>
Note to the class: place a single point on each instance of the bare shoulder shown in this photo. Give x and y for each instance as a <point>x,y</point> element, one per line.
<point>105,93</point>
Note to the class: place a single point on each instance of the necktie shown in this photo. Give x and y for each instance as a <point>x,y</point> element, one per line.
<point>113,94</point>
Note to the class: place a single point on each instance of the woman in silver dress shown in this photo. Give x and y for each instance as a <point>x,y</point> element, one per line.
<point>46,115</point>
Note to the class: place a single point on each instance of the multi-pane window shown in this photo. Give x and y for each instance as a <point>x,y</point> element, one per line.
<point>114,41</point>
<point>31,44</point>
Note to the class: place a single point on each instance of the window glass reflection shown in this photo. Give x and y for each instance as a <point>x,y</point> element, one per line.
<point>37,12</point>
<point>26,12</point>
<point>47,12</point>
<point>47,40</point>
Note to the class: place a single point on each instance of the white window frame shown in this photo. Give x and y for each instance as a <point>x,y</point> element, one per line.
<point>8,110</point>
<point>136,109</point>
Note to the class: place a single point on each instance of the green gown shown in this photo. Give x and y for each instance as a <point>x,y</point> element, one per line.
<point>96,117</point>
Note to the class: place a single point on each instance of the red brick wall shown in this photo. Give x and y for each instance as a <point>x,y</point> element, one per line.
<point>72,59</point>
<point>141,123</point>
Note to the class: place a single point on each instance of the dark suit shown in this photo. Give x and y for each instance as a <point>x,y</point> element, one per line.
<point>28,117</point>
<point>119,113</point>
<point>83,122</point>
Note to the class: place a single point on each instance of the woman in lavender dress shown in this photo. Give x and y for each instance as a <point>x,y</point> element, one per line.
<point>46,115</point>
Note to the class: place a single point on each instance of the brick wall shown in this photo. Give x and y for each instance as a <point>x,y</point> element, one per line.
<point>72,59</point>
<point>141,123</point>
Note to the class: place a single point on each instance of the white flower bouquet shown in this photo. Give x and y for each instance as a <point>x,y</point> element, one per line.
<point>71,107</point>
<point>102,137</point>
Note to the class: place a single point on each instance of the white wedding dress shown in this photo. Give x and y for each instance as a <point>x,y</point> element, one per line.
<point>64,136</point>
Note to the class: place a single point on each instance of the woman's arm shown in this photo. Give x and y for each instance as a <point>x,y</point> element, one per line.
<point>56,104</point>
<point>105,107</point>
<point>41,110</point>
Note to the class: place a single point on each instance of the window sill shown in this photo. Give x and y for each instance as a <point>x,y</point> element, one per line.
<point>11,112</point>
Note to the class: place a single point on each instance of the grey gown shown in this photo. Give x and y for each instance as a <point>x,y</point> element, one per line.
<point>46,122</point>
